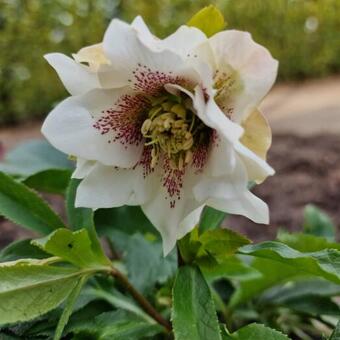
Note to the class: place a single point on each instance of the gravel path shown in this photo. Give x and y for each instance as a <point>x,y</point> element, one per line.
<point>305,109</point>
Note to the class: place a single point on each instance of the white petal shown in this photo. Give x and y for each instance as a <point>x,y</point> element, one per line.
<point>245,204</point>
<point>138,65</point>
<point>184,41</point>
<point>93,55</point>
<point>251,62</point>
<point>257,168</point>
<point>144,33</point>
<point>205,54</point>
<point>189,222</point>
<point>69,127</point>
<point>229,193</point>
<point>173,222</point>
<point>83,168</point>
<point>222,159</point>
<point>230,180</point>
<point>107,187</point>
<point>218,121</point>
<point>76,78</point>
<point>209,113</point>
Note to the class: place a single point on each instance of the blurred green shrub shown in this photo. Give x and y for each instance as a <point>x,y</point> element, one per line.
<point>302,34</point>
<point>28,30</point>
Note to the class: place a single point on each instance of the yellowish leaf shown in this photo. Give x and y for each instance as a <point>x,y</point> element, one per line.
<point>209,20</point>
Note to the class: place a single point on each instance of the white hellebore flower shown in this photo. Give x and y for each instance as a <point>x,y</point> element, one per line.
<point>170,125</point>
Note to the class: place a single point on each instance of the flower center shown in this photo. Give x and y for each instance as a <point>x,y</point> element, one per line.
<point>173,129</point>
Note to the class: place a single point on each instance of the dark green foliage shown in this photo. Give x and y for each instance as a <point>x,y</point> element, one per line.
<point>317,223</point>
<point>193,314</point>
<point>28,30</point>
<point>67,288</point>
<point>25,207</point>
<point>302,34</point>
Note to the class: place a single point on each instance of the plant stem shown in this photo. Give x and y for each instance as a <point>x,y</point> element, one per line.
<point>145,304</point>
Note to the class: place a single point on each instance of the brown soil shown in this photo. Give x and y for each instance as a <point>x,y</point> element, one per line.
<point>307,171</point>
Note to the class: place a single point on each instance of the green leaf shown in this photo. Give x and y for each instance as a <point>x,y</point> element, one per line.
<point>324,263</point>
<point>80,218</point>
<point>211,218</point>
<point>300,289</point>
<point>127,219</point>
<point>34,157</point>
<point>118,325</point>
<point>22,249</point>
<point>193,313</point>
<point>305,242</point>
<point>253,332</point>
<point>159,269</point>
<point>231,268</point>
<point>71,300</point>
<point>28,290</point>
<point>74,247</point>
<point>24,207</point>
<point>211,247</point>
<point>279,263</point>
<point>82,319</point>
<point>53,181</point>
<point>313,306</point>
<point>221,243</point>
<point>209,20</point>
<point>336,333</point>
<point>4,336</point>
<point>189,246</point>
<point>272,274</point>
<point>311,297</point>
<point>317,223</point>
<point>119,301</point>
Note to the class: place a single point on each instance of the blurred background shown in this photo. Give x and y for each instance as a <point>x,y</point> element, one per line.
<point>303,108</point>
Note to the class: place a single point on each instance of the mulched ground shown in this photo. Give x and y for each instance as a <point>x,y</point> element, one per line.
<point>307,171</point>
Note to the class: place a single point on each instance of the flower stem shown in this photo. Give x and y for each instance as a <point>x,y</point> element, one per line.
<point>145,304</point>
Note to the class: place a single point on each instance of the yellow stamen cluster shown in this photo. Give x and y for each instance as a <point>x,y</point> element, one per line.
<point>170,128</point>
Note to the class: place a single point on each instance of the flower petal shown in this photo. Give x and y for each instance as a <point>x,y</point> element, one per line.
<point>222,157</point>
<point>257,134</point>
<point>144,33</point>
<point>229,193</point>
<point>208,111</point>
<point>77,78</point>
<point>70,128</point>
<point>173,220</point>
<point>93,55</point>
<point>137,65</point>
<point>245,204</point>
<point>254,68</point>
<point>83,168</point>
<point>184,41</point>
<point>230,180</point>
<point>107,187</point>
<point>257,168</point>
